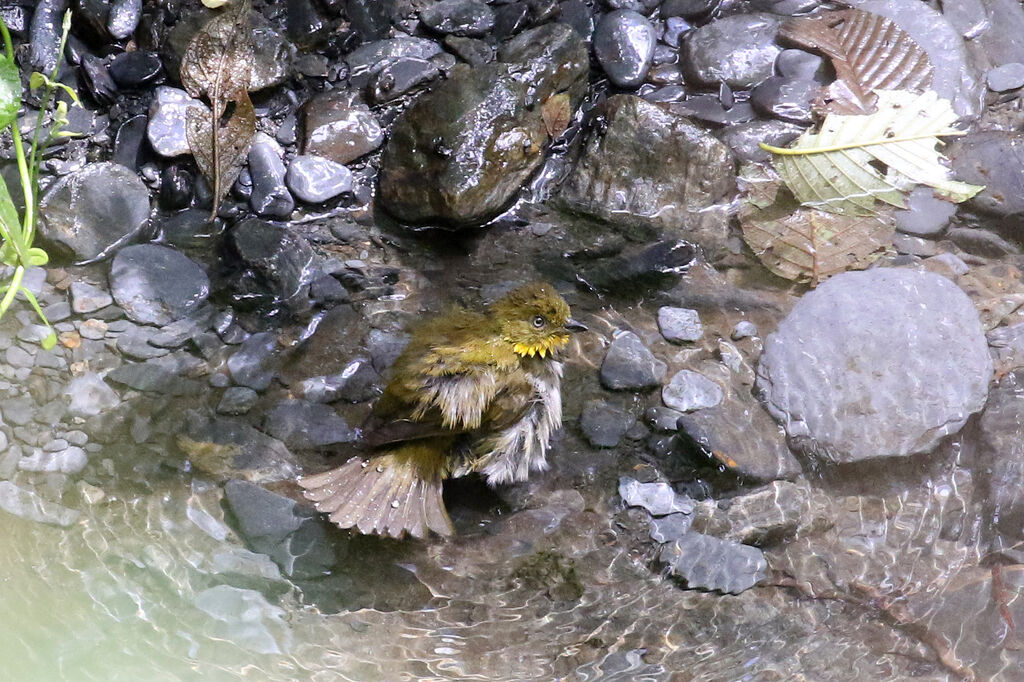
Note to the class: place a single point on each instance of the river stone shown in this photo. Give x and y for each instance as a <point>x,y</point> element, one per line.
<point>994,159</point>
<point>604,424</point>
<point>167,115</point>
<point>271,524</point>
<point>679,325</point>
<point>226,448</point>
<point>1002,439</point>
<point>29,505</point>
<point>688,391</point>
<point>836,372</point>
<point>738,50</point>
<point>314,179</point>
<point>708,563</point>
<point>658,498</point>
<point>304,425</point>
<point>70,460</point>
<point>460,153</point>
<point>459,17</point>
<point>89,396</point>
<point>93,210</point>
<point>624,43</point>
<point>366,60</point>
<point>270,196</point>
<point>649,170</point>
<point>279,263</point>
<point>254,364</point>
<point>629,365</point>
<point>156,284</point>
<point>340,130</point>
<point>1006,77</point>
<point>548,60</point>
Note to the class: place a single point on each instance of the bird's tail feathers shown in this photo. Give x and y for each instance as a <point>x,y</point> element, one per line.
<point>385,495</point>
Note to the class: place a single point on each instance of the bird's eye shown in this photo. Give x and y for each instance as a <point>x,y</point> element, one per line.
<point>539,321</point>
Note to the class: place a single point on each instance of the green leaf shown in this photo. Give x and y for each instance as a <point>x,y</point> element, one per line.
<point>37,80</point>
<point>10,223</point>
<point>10,91</point>
<point>36,257</point>
<point>8,254</point>
<point>833,169</point>
<point>50,341</point>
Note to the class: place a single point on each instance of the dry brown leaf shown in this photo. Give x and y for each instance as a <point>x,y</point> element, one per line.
<point>868,51</point>
<point>220,157</point>
<point>217,65</point>
<point>805,244</point>
<point>556,113</point>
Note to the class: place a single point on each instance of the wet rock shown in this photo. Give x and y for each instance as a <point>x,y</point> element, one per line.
<point>738,50</point>
<point>629,365</point>
<point>44,34</point>
<point>656,266</point>
<point>227,448</point>
<point>744,329</point>
<point>338,130</point>
<point>274,525</point>
<point>366,60</point>
<point>245,617</point>
<point>459,17</point>
<point>136,69</point>
<point>624,45</point>
<point>663,419</point>
<point>707,563</point>
<point>994,159</point>
<point>237,400</point>
<point>709,108</point>
<point>29,505</point>
<point>303,425</point>
<point>604,424</point>
<point>314,179</point>
<point>270,196</point>
<point>70,460</point>
<point>798,64</point>
<point>679,324</point>
<point>135,344</point>
<point>17,356</point>
<point>1002,25</point>
<point>86,298</point>
<point>670,528</point>
<point>1002,438</point>
<point>689,391</point>
<point>152,378</point>
<point>279,264</point>
<point>89,396</point>
<point>954,78</point>
<point>1007,346</point>
<point>765,516</point>
<point>176,185</point>
<point>659,499</point>
<point>788,99</point>
<point>926,215</point>
<point>167,115</point>
<point>470,50</point>
<point>90,212</point>
<point>156,284</point>
<point>460,153</point>
<point>835,372</point>
<point>687,8</point>
<point>548,60</point>
<point>98,81</point>
<point>1006,77</point>
<point>400,78</point>
<point>124,18</point>
<point>128,144</point>
<point>357,383</point>
<point>254,364</point>
<point>686,175</point>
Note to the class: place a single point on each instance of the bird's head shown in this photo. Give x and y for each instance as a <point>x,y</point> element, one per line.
<point>535,319</point>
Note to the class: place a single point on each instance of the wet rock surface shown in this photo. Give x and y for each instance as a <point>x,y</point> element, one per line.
<point>739,50</point>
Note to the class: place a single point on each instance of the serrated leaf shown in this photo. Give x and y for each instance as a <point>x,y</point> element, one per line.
<point>868,51</point>
<point>10,91</point>
<point>220,157</point>
<point>805,244</point>
<point>833,169</point>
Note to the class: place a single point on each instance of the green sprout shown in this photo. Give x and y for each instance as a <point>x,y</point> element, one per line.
<point>17,233</point>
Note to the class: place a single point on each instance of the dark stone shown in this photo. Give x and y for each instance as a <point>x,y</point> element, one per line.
<point>338,130</point>
<point>176,184</point>
<point>97,79</point>
<point>744,138</point>
<point>687,8</point>
<point>510,19</point>
<point>1002,439</point>
<point>270,196</point>
<point>314,179</point>
<point>328,350</point>
<point>152,378</point>
<point>994,159</point>
<point>357,383</point>
<point>279,265</point>
<point>44,34</point>
<point>255,363</point>
<point>738,50</point>
<point>688,175</point>
<point>136,69</point>
<point>189,228</point>
<point>371,19</point>
<point>401,77</point>
<point>237,400</point>
<point>225,448</point>
<point>624,45</point>
<point>304,425</point>
<point>629,365</point>
<point>90,212</point>
<point>156,284</point>
<point>707,563</point>
<point>604,424</point>
<point>366,60</point>
<point>290,534</point>
<point>129,142</point>
<point>470,50</point>
<point>785,98</point>
<point>709,108</point>
<point>578,15</point>
<point>656,265</point>
<point>459,17</point>
<point>304,25</point>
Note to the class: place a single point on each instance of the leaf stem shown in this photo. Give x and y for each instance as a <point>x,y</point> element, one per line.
<point>788,151</point>
<point>12,289</point>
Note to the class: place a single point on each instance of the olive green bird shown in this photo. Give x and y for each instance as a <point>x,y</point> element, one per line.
<point>472,392</point>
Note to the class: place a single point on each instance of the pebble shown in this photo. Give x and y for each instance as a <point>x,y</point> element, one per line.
<point>357,383</point>
<point>630,365</point>
<point>624,43</point>
<point>167,116</point>
<point>339,130</point>
<point>687,8</point>
<point>314,179</point>
<point>708,563</point>
<point>29,505</point>
<point>270,196</point>
<point>399,78</point>
<point>604,424</point>
<point>87,298</point>
<point>138,69</point>
<point>744,329</point>
<point>459,17</point>
<point>237,400</point>
<point>150,377</point>
<point>70,460</point>
<point>662,419</point>
<point>787,99</point>
<point>670,528</point>
<point>124,18</point>
<point>797,64</point>
<point>16,356</point>
<point>252,364</point>
<point>738,50</point>
<point>304,425</point>
<point>1006,77</point>
<point>658,498</point>
<point>156,284</point>
<point>679,325</point>
<point>90,396</point>
<point>688,391</point>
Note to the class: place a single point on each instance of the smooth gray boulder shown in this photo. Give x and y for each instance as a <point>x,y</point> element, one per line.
<point>880,363</point>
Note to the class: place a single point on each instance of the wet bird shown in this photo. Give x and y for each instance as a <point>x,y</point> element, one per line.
<point>473,392</point>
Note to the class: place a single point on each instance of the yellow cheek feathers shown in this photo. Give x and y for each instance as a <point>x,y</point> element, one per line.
<point>543,348</point>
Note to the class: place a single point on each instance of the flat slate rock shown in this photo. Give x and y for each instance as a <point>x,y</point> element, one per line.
<point>708,563</point>
<point>880,363</point>
<point>156,284</point>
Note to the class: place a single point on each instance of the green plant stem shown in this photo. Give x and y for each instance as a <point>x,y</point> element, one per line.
<point>12,289</point>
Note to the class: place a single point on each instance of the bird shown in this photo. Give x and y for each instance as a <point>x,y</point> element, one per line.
<point>473,392</point>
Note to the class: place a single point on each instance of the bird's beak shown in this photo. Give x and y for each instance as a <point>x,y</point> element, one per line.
<point>575,326</point>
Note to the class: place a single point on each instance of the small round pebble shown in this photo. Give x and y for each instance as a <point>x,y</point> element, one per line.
<point>744,329</point>
<point>1006,77</point>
